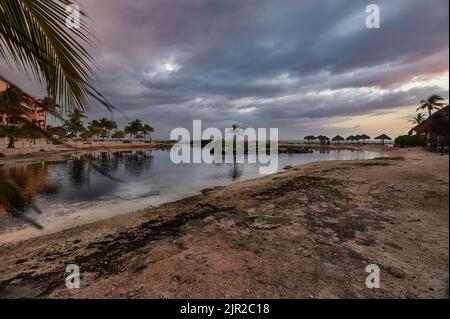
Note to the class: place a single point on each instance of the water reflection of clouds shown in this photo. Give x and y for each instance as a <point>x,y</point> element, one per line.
<point>72,186</point>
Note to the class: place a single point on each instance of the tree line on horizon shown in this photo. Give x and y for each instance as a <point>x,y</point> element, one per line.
<point>102,128</point>
<point>19,126</point>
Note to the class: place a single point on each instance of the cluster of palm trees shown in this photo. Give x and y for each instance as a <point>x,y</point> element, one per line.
<point>139,130</point>
<point>26,131</point>
<point>19,125</point>
<point>102,128</point>
<point>432,103</point>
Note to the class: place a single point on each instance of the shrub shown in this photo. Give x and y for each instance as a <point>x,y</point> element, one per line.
<point>2,155</point>
<point>409,141</point>
<point>126,142</point>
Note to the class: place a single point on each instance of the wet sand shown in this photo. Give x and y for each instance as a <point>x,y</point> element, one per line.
<point>308,232</point>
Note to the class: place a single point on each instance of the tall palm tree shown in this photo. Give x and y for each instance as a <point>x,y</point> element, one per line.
<point>133,128</point>
<point>11,132</point>
<point>49,105</point>
<point>147,130</point>
<point>235,130</point>
<point>108,126</point>
<point>418,119</point>
<point>74,124</point>
<point>34,38</point>
<point>11,101</point>
<point>29,131</point>
<point>431,104</point>
<point>96,129</point>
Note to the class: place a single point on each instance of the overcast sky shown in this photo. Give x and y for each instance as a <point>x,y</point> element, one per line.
<point>306,67</point>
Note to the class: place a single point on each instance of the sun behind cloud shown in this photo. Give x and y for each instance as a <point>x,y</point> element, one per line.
<point>171,67</point>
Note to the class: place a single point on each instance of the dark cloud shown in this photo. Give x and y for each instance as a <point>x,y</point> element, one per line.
<point>263,62</point>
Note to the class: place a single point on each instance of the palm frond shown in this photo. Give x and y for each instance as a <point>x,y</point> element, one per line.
<point>34,38</point>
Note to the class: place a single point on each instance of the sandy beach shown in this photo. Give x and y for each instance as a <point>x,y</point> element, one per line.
<point>308,232</point>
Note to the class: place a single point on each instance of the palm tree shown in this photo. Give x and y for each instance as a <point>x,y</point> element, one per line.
<point>96,129</point>
<point>29,131</point>
<point>235,130</point>
<point>147,130</point>
<point>11,132</point>
<point>34,37</point>
<point>74,125</point>
<point>108,126</point>
<point>418,119</point>
<point>57,130</point>
<point>133,128</point>
<point>431,104</point>
<point>49,105</point>
<point>11,101</point>
<point>119,135</point>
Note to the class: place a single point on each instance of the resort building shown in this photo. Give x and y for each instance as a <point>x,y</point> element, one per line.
<point>34,112</point>
<point>434,129</point>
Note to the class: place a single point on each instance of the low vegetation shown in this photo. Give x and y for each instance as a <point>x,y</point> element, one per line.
<point>409,141</point>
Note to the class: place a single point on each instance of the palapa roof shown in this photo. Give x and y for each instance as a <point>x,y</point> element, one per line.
<point>382,137</point>
<point>323,138</point>
<point>350,138</point>
<point>365,137</point>
<point>338,138</point>
<point>437,123</point>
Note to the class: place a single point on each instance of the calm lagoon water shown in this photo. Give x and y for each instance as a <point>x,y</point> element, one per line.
<point>71,192</point>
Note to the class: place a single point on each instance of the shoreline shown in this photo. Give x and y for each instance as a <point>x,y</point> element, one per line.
<point>57,153</point>
<point>252,221</point>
